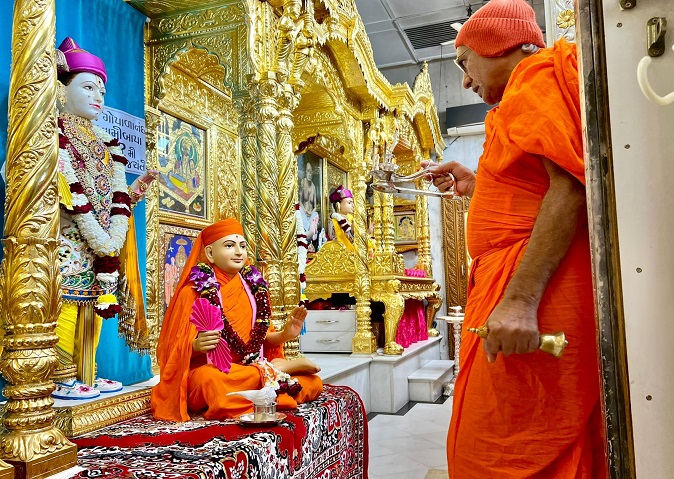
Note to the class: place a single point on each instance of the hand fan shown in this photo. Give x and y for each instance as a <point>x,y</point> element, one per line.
<point>205,316</point>
<point>220,357</point>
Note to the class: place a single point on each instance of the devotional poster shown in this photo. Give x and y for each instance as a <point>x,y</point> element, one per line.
<point>182,167</point>
<point>174,248</point>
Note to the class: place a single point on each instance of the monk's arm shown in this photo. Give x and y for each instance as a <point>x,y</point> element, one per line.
<point>291,329</point>
<point>513,324</point>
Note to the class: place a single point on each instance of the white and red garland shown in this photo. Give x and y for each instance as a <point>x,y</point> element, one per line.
<point>105,244</point>
<point>302,248</point>
<point>344,223</point>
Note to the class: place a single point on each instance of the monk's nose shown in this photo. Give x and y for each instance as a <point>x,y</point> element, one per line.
<point>467,81</point>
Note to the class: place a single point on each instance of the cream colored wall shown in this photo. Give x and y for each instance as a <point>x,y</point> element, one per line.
<point>643,152</point>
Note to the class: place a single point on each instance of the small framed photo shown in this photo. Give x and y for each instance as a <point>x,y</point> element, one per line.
<point>405,227</point>
<point>175,245</point>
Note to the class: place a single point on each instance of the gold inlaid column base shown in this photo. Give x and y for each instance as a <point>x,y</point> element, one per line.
<point>45,465</point>
<point>6,471</point>
<point>81,419</point>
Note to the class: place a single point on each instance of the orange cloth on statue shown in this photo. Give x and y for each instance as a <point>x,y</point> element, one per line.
<point>528,415</point>
<point>187,383</point>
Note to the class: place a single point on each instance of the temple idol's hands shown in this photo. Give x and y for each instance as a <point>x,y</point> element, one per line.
<point>294,323</point>
<point>452,174</point>
<point>143,182</point>
<point>513,328</point>
<point>206,341</point>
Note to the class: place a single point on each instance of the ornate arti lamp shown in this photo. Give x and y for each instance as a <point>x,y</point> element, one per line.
<point>386,180</point>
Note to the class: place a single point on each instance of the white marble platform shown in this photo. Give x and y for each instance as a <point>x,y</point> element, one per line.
<point>346,370</point>
<point>426,383</point>
<point>389,389</point>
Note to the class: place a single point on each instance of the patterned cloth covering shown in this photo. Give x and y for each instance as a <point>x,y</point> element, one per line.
<point>323,439</point>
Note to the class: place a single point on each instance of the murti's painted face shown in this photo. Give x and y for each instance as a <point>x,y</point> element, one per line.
<point>228,253</point>
<point>346,206</point>
<point>85,96</point>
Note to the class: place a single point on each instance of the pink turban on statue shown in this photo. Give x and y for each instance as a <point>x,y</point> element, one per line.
<point>72,59</point>
<point>339,194</point>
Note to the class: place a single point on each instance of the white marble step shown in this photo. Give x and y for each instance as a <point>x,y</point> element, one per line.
<point>425,384</point>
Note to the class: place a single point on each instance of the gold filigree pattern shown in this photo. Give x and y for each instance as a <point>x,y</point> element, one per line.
<point>457,262</point>
<point>333,257</point>
<point>81,419</point>
<point>386,292</point>
<point>152,278</point>
<point>29,276</point>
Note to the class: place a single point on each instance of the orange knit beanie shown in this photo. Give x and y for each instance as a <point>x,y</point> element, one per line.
<point>499,26</point>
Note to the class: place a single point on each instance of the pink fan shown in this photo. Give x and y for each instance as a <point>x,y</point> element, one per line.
<point>220,357</point>
<point>207,317</point>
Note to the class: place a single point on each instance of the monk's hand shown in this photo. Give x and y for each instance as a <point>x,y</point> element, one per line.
<point>206,341</point>
<point>513,328</point>
<point>294,323</point>
<point>451,175</point>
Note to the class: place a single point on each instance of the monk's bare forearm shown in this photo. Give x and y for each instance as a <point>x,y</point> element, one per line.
<point>555,227</point>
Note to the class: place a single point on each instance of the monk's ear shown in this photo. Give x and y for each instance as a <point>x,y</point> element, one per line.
<point>209,253</point>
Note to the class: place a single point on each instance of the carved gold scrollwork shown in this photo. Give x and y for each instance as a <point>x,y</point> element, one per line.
<point>29,278</point>
<point>248,135</point>
<point>152,121</point>
<point>457,261</point>
<point>386,292</point>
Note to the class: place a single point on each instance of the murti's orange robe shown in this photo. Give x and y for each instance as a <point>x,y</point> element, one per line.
<point>189,385</point>
<point>528,415</point>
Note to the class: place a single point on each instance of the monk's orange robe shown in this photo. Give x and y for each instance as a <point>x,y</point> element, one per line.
<point>189,385</point>
<point>528,415</point>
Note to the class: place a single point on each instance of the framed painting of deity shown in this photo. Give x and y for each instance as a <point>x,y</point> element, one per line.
<point>405,227</point>
<point>183,168</point>
<point>175,245</point>
<point>310,181</point>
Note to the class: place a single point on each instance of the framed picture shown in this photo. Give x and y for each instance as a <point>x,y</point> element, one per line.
<point>405,227</point>
<point>175,245</point>
<point>310,180</point>
<point>182,166</point>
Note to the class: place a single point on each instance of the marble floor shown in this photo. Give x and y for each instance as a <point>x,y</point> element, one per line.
<point>408,444</point>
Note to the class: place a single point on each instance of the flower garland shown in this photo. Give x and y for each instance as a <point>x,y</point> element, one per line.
<point>344,223</point>
<point>93,166</point>
<point>302,247</point>
<point>203,277</point>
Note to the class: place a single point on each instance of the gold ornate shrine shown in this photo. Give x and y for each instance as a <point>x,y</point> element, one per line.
<point>234,89</point>
<point>406,125</point>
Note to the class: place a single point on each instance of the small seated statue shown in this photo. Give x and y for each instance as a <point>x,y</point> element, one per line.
<point>200,366</point>
<point>342,218</point>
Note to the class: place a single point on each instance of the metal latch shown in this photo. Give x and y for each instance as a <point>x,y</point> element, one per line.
<point>657,28</point>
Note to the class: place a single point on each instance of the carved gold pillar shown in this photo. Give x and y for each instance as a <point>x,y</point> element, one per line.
<point>386,292</point>
<point>423,232</point>
<point>364,341</point>
<point>30,279</point>
<point>287,192</point>
<point>267,92</point>
<point>248,132</point>
<point>152,122</point>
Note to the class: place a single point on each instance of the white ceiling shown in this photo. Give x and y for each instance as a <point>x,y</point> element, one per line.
<point>386,20</point>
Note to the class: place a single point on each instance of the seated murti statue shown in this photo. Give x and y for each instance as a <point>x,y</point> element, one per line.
<point>340,228</point>
<point>217,338</point>
<point>98,259</point>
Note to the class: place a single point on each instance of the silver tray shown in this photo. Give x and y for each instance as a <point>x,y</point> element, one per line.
<point>248,419</point>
